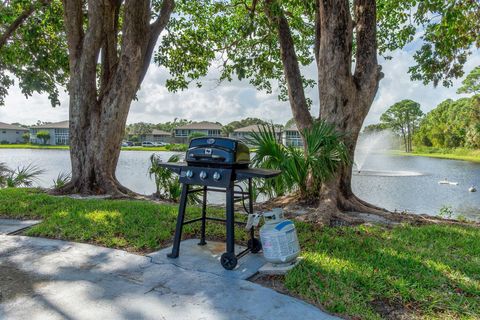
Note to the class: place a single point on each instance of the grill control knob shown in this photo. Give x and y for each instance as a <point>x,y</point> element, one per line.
<point>216,176</point>
<point>189,174</point>
<point>203,175</point>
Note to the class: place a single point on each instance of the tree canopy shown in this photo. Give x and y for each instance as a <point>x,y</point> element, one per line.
<point>452,124</point>
<point>471,83</point>
<point>33,48</point>
<point>237,37</point>
<point>403,118</point>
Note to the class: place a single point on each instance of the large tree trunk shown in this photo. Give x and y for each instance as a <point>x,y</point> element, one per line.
<point>345,98</point>
<point>98,112</point>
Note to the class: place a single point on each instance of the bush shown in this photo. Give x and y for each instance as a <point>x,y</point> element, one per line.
<point>176,147</point>
<point>302,170</point>
<point>166,181</point>
<point>194,135</point>
<point>4,142</point>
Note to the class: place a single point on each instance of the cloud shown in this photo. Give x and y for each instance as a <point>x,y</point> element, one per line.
<point>235,100</point>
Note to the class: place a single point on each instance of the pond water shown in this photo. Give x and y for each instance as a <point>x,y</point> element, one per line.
<point>393,182</point>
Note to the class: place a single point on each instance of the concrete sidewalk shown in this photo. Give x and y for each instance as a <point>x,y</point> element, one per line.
<point>50,279</point>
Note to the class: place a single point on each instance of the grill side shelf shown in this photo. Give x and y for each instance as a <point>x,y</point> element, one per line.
<point>174,166</point>
<point>242,174</point>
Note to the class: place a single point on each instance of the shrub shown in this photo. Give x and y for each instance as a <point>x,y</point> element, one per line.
<point>302,170</point>
<point>166,181</point>
<point>19,177</point>
<point>176,147</point>
<point>44,136</point>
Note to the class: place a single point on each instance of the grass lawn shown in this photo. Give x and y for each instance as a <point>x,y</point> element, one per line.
<point>454,154</point>
<point>38,146</point>
<point>362,272</point>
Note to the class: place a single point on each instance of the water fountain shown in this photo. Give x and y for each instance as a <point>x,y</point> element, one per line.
<point>373,143</point>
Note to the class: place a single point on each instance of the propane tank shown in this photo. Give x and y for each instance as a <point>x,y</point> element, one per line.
<point>279,238</point>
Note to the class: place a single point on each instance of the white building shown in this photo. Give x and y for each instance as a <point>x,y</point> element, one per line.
<point>10,133</point>
<point>210,129</point>
<point>291,137</point>
<point>59,133</point>
<point>244,133</point>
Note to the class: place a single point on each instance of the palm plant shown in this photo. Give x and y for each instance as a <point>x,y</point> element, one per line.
<point>166,182</point>
<point>162,176</point>
<point>61,180</point>
<point>20,177</point>
<point>303,170</point>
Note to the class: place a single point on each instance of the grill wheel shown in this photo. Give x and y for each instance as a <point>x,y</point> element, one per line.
<point>228,261</point>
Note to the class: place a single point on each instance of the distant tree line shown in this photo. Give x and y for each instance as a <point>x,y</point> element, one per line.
<point>452,124</point>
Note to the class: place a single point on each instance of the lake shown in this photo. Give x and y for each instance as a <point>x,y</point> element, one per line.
<point>392,186</point>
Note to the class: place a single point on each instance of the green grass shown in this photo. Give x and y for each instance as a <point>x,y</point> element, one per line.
<point>454,154</point>
<point>430,271</point>
<point>38,146</point>
<point>127,224</point>
<point>31,146</point>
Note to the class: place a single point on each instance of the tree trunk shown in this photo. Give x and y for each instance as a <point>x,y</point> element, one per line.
<point>98,113</point>
<point>345,99</point>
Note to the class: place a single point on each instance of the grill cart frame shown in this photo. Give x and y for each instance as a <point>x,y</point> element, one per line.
<point>230,177</point>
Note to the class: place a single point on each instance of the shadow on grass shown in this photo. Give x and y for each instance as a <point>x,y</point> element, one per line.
<point>377,273</point>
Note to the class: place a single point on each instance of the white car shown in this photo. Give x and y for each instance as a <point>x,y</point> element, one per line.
<point>148,144</point>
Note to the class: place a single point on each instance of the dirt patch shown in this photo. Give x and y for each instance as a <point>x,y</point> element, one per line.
<point>15,282</point>
<point>273,282</point>
<point>392,310</point>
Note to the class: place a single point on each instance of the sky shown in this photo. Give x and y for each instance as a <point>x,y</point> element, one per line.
<point>230,101</point>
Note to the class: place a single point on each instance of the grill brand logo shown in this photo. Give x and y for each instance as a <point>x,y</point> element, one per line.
<point>211,141</point>
<point>208,151</point>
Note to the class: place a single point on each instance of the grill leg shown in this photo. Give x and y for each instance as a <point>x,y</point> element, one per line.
<point>204,217</point>
<point>250,206</point>
<point>230,223</point>
<point>180,219</point>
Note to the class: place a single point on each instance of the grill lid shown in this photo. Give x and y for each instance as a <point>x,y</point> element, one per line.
<point>218,151</point>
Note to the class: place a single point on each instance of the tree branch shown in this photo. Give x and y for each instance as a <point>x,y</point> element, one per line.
<point>366,68</point>
<point>110,41</point>
<point>296,92</point>
<point>73,19</point>
<point>155,29</point>
<point>20,19</point>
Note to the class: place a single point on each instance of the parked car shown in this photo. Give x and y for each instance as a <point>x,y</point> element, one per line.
<point>127,143</point>
<point>148,144</point>
<point>162,144</point>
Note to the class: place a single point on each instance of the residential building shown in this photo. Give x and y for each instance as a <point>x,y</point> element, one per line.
<point>210,129</point>
<point>291,137</point>
<point>154,136</point>
<point>243,133</point>
<point>59,133</point>
<point>10,133</point>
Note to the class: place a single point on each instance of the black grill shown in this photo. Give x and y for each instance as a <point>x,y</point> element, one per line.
<point>218,152</point>
<point>218,165</point>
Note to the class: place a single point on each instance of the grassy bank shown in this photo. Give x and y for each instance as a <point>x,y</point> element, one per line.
<point>362,272</point>
<point>454,154</point>
<point>37,146</point>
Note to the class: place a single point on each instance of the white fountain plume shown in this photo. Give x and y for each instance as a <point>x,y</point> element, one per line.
<point>369,143</point>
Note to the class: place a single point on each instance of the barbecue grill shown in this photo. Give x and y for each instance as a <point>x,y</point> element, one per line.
<point>218,165</point>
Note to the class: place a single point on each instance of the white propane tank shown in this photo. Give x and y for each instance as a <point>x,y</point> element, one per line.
<point>279,238</point>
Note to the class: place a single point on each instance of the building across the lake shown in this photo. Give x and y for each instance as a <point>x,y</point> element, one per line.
<point>211,129</point>
<point>10,133</point>
<point>291,137</point>
<point>244,133</point>
<point>59,133</point>
<point>154,136</point>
